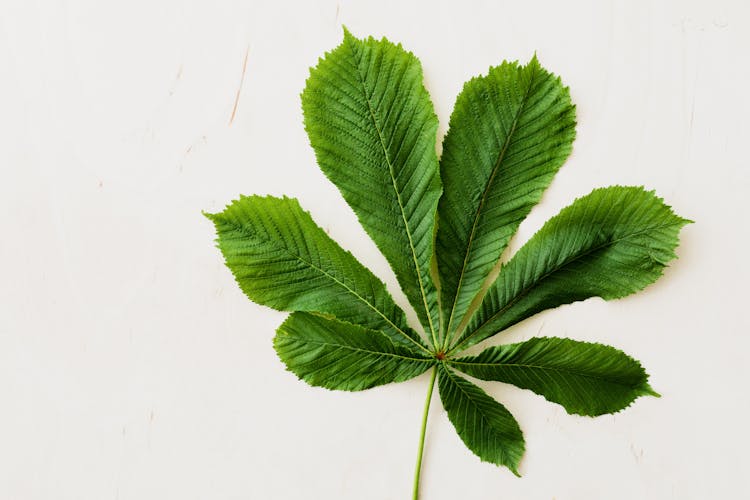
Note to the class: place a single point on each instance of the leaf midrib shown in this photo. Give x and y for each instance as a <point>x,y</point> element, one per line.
<point>537,367</point>
<point>526,290</point>
<point>359,349</point>
<point>428,313</point>
<point>495,170</point>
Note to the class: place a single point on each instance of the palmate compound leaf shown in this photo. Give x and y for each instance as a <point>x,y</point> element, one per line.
<point>509,133</point>
<point>485,426</point>
<point>373,129</point>
<point>282,259</point>
<point>585,378</point>
<point>372,126</point>
<point>610,243</point>
<point>328,353</point>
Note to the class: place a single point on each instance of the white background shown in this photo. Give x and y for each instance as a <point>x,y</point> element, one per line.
<point>131,365</point>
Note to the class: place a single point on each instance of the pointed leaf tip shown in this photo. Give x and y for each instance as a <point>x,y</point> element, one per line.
<point>347,34</point>
<point>649,391</point>
<point>686,222</point>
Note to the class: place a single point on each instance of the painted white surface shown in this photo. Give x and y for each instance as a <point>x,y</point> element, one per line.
<point>132,367</point>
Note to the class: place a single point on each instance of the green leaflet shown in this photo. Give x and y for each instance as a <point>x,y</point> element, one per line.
<point>585,378</point>
<point>509,133</point>
<point>335,355</point>
<point>373,129</point>
<point>485,426</point>
<point>613,242</point>
<point>282,259</point>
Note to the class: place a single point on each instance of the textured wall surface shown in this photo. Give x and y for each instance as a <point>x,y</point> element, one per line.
<point>131,365</point>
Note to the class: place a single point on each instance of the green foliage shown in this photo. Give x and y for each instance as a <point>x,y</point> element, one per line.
<point>509,133</point>
<point>329,353</point>
<point>373,129</point>
<point>485,426</point>
<point>585,378</point>
<point>443,225</point>
<point>610,243</point>
<point>282,259</point>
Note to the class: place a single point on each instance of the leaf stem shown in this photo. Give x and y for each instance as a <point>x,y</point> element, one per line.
<point>418,469</point>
